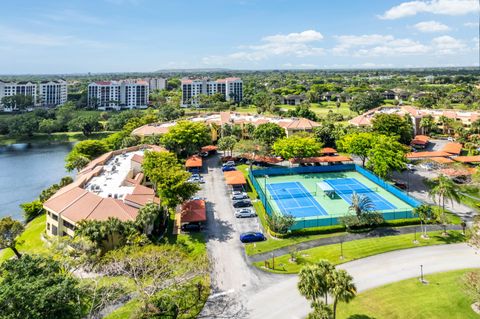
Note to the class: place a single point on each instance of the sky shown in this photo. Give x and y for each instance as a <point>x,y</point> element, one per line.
<point>80,36</point>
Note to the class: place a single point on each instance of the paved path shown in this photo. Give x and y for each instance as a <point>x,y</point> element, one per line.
<point>282,300</point>
<point>379,232</point>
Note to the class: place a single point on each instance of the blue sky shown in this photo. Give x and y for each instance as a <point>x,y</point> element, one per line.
<point>53,36</point>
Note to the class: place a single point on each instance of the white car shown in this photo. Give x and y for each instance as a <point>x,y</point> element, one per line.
<point>450,139</point>
<point>239,196</point>
<point>244,212</point>
<point>229,163</point>
<point>411,167</point>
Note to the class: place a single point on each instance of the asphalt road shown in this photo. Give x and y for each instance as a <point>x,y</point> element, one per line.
<point>282,300</point>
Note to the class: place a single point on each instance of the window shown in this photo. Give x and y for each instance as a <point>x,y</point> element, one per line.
<point>55,217</point>
<point>48,226</point>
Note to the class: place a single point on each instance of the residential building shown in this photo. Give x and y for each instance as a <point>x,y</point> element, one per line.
<point>416,115</point>
<point>217,120</point>
<point>293,99</point>
<point>52,93</point>
<point>230,88</point>
<point>17,88</point>
<point>111,185</point>
<point>156,83</point>
<point>125,94</point>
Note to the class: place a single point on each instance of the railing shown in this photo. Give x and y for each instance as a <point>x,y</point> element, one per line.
<point>329,220</point>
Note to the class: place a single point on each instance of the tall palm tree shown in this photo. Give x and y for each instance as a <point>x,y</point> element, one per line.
<point>423,212</point>
<point>146,216</point>
<point>360,204</point>
<point>427,123</point>
<point>112,226</point>
<point>445,189</point>
<point>343,289</point>
<point>315,281</point>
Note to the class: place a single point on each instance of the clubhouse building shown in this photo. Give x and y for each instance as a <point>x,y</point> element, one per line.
<point>217,120</point>
<point>111,185</point>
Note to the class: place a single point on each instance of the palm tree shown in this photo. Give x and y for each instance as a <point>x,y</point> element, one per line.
<point>146,216</point>
<point>427,123</point>
<point>320,311</point>
<point>315,281</point>
<point>360,204</point>
<point>343,289</point>
<point>112,226</point>
<point>445,189</point>
<point>423,212</point>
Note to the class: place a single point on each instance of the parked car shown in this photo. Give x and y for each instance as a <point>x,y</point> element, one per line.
<point>191,227</point>
<point>204,154</point>
<point>251,237</point>
<point>400,185</point>
<point>242,203</point>
<point>229,163</point>
<point>245,212</point>
<point>451,139</point>
<point>239,196</point>
<point>411,167</point>
<point>195,178</point>
<point>228,168</point>
<point>241,192</point>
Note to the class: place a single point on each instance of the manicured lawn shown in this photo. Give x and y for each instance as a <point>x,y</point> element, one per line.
<point>58,137</point>
<point>32,242</point>
<point>359,249</point>
<point>443,297</point>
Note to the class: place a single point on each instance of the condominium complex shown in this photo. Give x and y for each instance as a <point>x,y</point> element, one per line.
<point>45,94</point>
<point>52,93</point>
<point>230,88</point>
<point>126,94</point>
<point>157,83</point>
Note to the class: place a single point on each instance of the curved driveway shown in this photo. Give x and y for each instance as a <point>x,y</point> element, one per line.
<point>282,300</point>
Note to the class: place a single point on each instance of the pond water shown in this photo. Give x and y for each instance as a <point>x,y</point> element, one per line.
<point>25,170</point>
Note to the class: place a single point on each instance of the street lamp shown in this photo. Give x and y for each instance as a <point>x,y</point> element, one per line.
<point>341,247</point>
<point>421,274</point>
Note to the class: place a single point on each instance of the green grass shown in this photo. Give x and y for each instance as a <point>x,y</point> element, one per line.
<point>32,242</point>
<point>126,311</point>
<point>443,297</point>
<point>359,249</point>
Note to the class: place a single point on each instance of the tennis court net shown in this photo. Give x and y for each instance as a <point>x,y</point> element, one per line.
<point>355,190</point>
<point>285,195</point>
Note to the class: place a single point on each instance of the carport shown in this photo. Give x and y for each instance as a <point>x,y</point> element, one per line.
<point>194,162</point>
<point>235,180</point>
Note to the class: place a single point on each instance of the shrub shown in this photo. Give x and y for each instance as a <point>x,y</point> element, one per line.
<point>32,210</point>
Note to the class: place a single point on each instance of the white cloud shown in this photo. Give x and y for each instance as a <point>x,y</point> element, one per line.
<point>471,24</point>
<point>376,45</point>
<point>300,66</point>
<point>372,65</point>
<point>445,45</point>
<point>445,7</point>
<point>292,44</point>
<point>431,26</point>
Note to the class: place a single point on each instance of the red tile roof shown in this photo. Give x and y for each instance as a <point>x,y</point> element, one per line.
<point>468,159</point>
<point>209,148</point>
<point>302,124</point>
<point>321,159</point>
<point>428,154</point>
<point>235,178</point>
<point>194,161</point>
<point>420,140</point>
<point>328,150</point>
<point>453,148</point>
<point>194,211</point>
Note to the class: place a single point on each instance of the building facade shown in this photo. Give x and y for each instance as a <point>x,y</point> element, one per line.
<point>157,83</point>
<point>52,93</point>
<point>230,88</point>
<point>126,94</point>
<point>17,88</point>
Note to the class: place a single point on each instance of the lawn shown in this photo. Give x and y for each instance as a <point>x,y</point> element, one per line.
<point>59,137</point>
<point>443,297</point>
<point>359,249</point>
<point>32,242</point>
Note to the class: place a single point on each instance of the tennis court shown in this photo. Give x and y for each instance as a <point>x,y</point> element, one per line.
<point>294,199</point>
<point>346,187</point>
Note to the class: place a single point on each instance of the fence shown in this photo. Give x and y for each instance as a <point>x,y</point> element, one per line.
<point>331,220</point>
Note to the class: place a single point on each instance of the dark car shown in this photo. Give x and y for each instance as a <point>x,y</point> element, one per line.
<point>401,185</point>
<point>228,168</point>
<point>242,203</point>
<point>192,227</point>
<point>251,237</point>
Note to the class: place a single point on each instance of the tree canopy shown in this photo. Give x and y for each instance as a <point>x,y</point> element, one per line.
<point>268,133</point>
<point>366,101</point>
<point>393,125</point>
<point>297,146</point>
<point>186,137</point>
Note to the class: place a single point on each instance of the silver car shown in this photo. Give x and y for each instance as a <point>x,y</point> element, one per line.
<point>245,212</point>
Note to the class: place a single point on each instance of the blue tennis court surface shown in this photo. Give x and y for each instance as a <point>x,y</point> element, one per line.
<point>294,199</point>
<point>345,187</point>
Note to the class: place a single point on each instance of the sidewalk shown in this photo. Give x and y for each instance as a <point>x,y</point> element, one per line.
<point>378,232</point>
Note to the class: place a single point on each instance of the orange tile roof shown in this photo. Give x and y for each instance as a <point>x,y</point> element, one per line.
<point>442,160</point>
<point>235,178</point>
<point>194,161</point>
<point>468,159</point>
<point>209,148</point>
<point>328,150</point>
<point>302,124</point>
<point>259,158</point>
<point>457,171</point>
<point>420,139</point>
<point>137,158</point>
<point>428,154</point>
<point>453,148</point>
<point>194,211</point>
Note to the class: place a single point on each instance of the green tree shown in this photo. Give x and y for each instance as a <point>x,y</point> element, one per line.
<point>303,110</point>
<point>76,161</point>
<point>269,133</point>
<point>227,143</point>
<point>64,114</point>
<point>86,124</point>
<point>424,212</point>
<point>48,126</point>
<point>32,210</point>
<point>386,155</point>
<point>37,287</point>
<point>393,125</point>
<point>360,204</point>
<point>444,189</point>
<point>297,146</point>
<point>10,229</point>
<point>358,144</point>
<point>320,311</point>
<point>186,137</point>
<point>366,101</point>
<point>147,215</point>
<point>314,281</point>
<point>427,123</point>
<point>23,125</point>
<point>170,112</point>
<point>342,290</point>
<point>90,148</point>
<point>279,224</point>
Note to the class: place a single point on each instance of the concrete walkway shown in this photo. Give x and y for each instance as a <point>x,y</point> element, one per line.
<point>379,232</point>
<point>282,300</point>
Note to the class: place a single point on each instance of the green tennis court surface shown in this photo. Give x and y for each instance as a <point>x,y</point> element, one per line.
<point>285,200</point>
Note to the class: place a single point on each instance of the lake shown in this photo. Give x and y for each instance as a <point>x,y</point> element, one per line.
<point>25,171</point>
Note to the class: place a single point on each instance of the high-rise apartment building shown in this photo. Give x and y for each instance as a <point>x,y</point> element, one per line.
<point>125,94</point>
<point>52,93</point>
<point>17,88</point>
<point>156,83</point>
<point>230,88</point>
